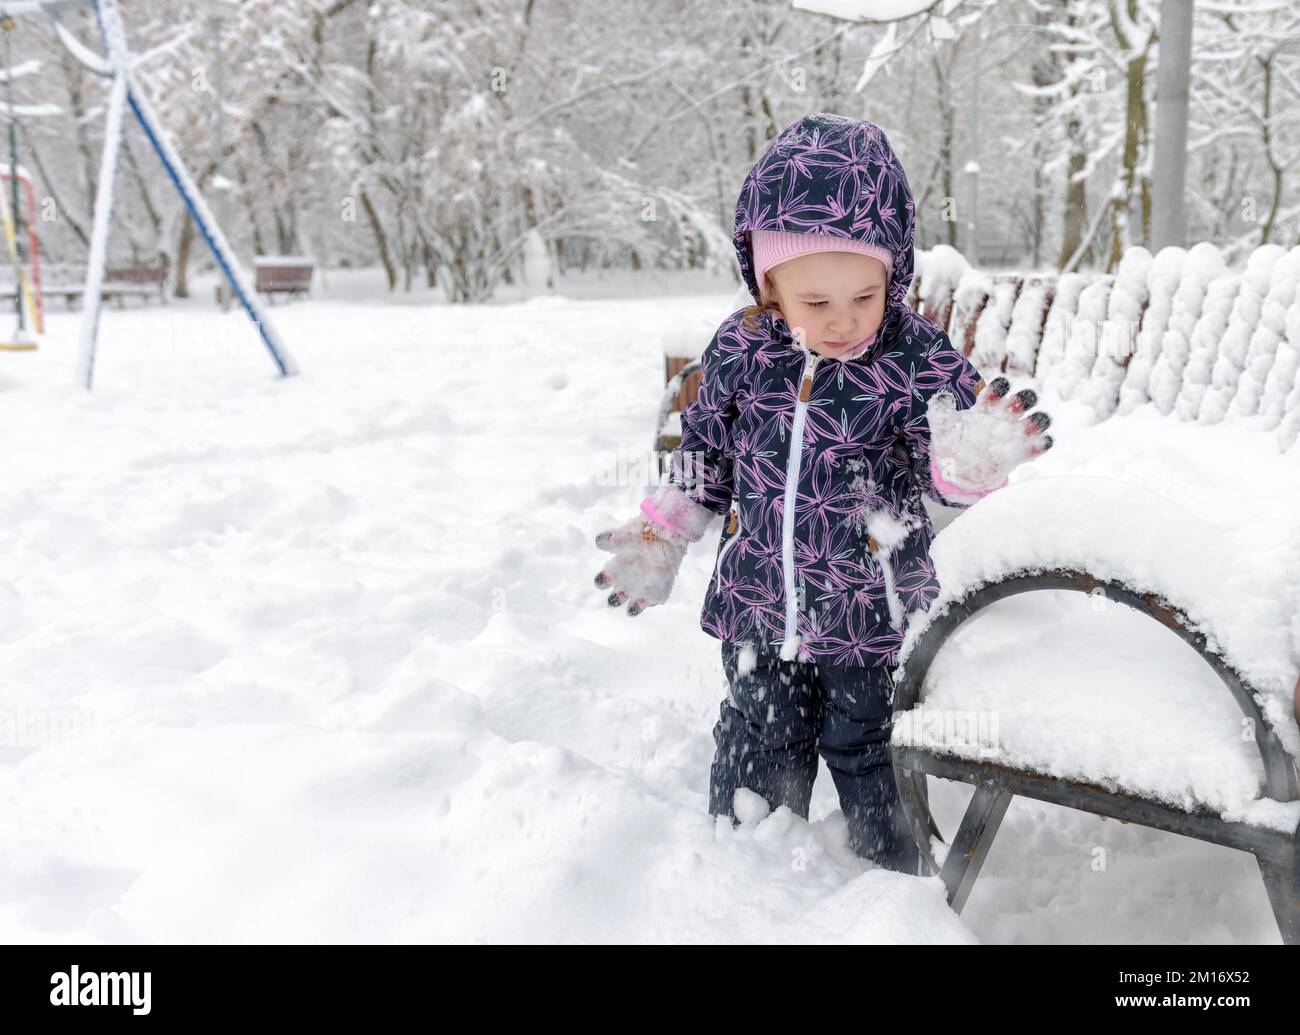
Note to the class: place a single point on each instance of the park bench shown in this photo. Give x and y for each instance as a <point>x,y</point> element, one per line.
<point>1167,567</point>
<point>142,282</point>
<point>283,274</point>
<point>68,281</point>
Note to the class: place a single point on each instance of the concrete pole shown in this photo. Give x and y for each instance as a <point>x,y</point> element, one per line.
<point>1168,221</point>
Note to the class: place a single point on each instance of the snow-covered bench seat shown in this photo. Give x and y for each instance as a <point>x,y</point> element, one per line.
<point>1078,698</point>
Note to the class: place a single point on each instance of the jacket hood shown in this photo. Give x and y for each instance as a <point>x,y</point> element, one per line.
<point>830,174</point>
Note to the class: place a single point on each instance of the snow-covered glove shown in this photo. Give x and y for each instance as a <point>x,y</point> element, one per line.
<point>648,549</point>
<point>973,451</point>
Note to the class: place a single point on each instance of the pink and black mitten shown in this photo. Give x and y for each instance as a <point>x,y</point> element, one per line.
<point>648,549</point>
<point>973,451</point>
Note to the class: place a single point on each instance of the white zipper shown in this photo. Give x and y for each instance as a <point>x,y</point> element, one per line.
<point>792,489</point>
<point>733,526</point>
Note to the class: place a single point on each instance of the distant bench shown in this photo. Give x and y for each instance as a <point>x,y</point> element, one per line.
<point>68,281</point>
<point>275,274</point>
<point>283,274</point>
<point>142,282</point>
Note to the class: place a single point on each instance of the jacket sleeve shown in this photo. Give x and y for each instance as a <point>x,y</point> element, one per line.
<point>943,367</point>
<point>701,466</point>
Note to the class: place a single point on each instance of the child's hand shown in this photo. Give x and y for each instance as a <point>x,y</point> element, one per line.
<point>645,564</point>
<point>974,450</point>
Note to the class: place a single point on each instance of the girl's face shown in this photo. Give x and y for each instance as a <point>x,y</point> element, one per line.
<point>832,301</point>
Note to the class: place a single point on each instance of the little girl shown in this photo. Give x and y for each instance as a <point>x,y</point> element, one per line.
<point>824,412</point>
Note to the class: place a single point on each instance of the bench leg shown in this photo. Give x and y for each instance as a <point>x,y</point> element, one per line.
<point>972,842</point>
<point>913,787</point>
<point>1282,881</point>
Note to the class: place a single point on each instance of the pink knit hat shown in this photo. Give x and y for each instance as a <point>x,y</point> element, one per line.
<point>773,247</point>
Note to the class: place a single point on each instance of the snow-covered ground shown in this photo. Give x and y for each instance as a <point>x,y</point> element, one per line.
<point>321,659</point>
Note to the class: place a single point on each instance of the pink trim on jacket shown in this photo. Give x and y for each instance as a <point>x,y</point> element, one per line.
<point>648,507</point>
<point>672,509</point>
<point>858,350</point>
<point>956,492</point>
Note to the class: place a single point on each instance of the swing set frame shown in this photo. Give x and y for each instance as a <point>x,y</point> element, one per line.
<point>117,65</point>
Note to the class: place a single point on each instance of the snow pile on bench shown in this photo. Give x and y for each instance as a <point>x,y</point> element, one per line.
<point>1182,329</point>
<point>686,334</point>
<point>1091,690</point>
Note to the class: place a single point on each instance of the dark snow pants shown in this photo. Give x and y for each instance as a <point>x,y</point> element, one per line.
<point>780,716</point>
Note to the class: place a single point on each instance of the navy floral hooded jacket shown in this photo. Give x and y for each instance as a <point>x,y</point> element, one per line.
<point>796,449</point>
